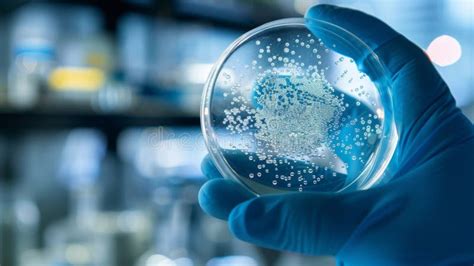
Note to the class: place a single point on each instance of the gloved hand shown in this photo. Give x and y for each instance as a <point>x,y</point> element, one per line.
<point>423,216</point>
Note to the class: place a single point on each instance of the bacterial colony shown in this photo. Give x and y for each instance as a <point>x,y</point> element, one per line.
<point>297,130</point>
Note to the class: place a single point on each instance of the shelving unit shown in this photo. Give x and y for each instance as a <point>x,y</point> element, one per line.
<point>233,14</point>
<point>64,116</point>
<point>54,114</point>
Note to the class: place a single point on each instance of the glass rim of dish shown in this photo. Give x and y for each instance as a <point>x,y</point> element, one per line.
<point>370,176</point>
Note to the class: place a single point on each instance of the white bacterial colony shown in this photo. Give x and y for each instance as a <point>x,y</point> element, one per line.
<point>285,117</point>
<point>299,132</point>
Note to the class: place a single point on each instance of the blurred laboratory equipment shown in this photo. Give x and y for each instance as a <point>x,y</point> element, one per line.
<point>171,231</point>
<point>19,215</point>
<point>165,157</point>
<point>34,35</point>
<point>135,48</point>
<point>3,63</point>
<point>164,154</point>
<point>183,58</point>
<point>86,63</point>
<point>90,236</point>
<point>79,170</point>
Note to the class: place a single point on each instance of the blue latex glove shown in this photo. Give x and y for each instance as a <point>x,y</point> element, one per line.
<point>424,215</point>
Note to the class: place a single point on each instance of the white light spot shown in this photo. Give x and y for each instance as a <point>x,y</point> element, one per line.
<point>380,113</point>
<point>159,260</point>
<point>444,50</point>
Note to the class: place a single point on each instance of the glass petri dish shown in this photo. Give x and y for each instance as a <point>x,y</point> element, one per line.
<point>299,105</point>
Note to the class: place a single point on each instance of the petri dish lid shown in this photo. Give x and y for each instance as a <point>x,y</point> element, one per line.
<point>299,105</point>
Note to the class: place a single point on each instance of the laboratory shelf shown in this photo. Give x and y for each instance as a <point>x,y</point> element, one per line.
<point>65,116</point>
<point>230,14</point>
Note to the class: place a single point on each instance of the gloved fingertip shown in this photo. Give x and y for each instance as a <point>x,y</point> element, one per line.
<point>246,220</point>
<point>207,203</point>
<point>209,169</point>
<point>218,197</point>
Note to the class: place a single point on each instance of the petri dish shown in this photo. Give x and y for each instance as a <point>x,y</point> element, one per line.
<point>299,105</point>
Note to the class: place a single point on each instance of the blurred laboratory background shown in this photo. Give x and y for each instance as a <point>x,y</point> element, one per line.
<point>100,145</point>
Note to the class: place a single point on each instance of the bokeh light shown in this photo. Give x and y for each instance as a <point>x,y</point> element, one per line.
<point>444,50</point>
